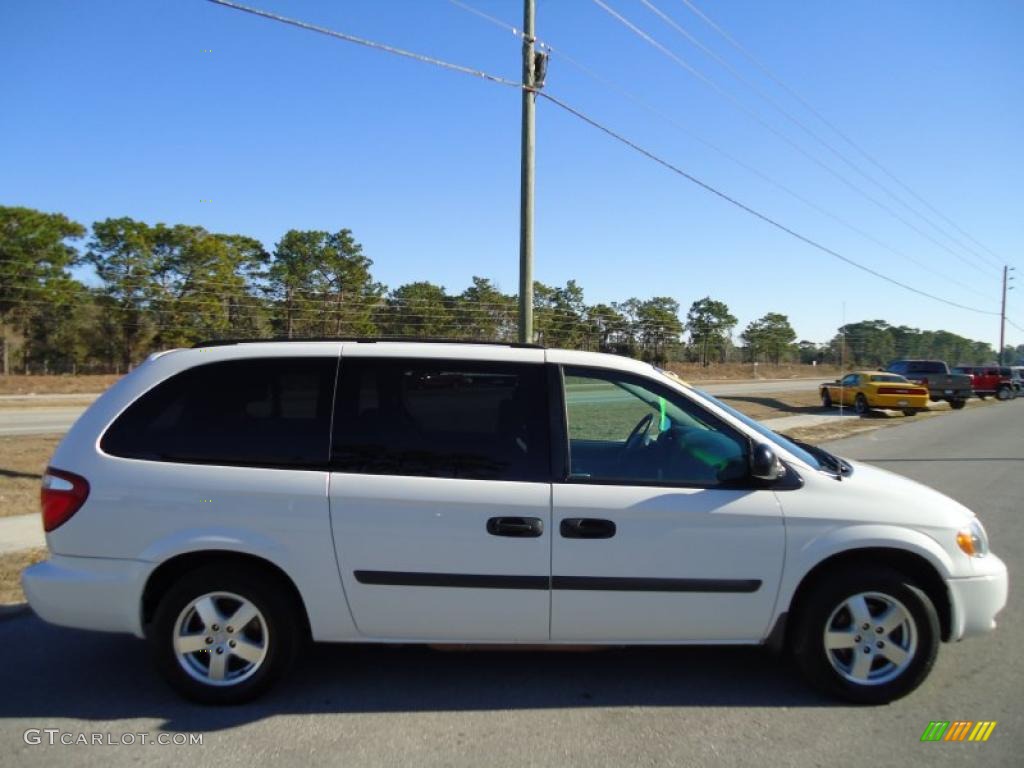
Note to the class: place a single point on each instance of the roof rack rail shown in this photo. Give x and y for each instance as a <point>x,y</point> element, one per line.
<point>368,340</point>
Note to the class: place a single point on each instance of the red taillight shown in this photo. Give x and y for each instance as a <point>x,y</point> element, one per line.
<point>901,391</point>
<point>63,494</point>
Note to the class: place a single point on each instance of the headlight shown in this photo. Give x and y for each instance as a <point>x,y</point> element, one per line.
<point>973,540</point>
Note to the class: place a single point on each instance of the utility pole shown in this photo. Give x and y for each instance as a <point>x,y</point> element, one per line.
<point>528,148</point>
<point>1002,313</point>
<point>1002,320</point>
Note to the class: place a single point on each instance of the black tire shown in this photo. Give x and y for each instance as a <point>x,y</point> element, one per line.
<point>822,608</point>
<point>280,636</point>
<point>860,405</point>
<point>1004,393</point>
<point>826,398</point>
<point>983,397</point>
<point>957,404</point>
<point>909,412</point>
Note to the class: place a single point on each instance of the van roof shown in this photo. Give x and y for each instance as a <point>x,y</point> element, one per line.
<point>366,340</point>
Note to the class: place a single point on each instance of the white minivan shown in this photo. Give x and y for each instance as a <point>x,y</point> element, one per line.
<point>233,501</point>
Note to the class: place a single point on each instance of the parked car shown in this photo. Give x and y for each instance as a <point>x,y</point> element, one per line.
<point>1017,378</point>
<point>954,388</point>
<point>865,390</point>
<point>233,501</point>
<point>989,380</point>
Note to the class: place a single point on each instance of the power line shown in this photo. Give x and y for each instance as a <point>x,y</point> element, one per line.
<point>563,319</point>
<point>686,66</point>
<point>457,317</point>
<point>560,54</point>
<point>636,147</point>
<point>370,44</point>
<point>767,219</point>
<point>845,137</point>
<point>668,20</point>
<point>508,27</point>
<point>487,17</point>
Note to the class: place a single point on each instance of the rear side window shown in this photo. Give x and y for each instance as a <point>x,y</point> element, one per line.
<point>432,418</point>
<point>273,412</point>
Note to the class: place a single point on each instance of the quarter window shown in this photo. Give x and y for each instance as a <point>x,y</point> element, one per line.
<point>265,412</point>
<point>435,418</point>
<point>627,429</point>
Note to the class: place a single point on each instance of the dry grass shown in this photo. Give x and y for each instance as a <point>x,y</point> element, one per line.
<point>55,385</point>
<point>839,429</point>
<point>11,566</point>
<point>739,371</point>
<point>822,433</point>
<point>22,461</point>
<point>775,405</point>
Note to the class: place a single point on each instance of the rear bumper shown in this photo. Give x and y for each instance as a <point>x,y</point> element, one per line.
<point>88,592</point>
<point>899,402</point>
<point>977,599</point>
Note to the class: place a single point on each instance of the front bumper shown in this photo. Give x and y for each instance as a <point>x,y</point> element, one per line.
<point>88,592</point>
<point>977,599</point>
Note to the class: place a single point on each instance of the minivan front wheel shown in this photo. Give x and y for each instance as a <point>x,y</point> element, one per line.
<point>223,636</point>
<point>869,638</point>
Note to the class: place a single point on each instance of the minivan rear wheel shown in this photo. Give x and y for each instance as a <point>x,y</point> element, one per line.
<point>867,636</point>
<point>222,635</point>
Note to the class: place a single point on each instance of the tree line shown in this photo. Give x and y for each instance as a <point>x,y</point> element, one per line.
<point>161,286</point>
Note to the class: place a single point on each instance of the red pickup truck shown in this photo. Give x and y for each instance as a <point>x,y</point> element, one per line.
<point>989,380</point>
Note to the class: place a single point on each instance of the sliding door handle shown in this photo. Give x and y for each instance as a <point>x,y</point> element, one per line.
<point>516,527</point>
<point>586,528</point>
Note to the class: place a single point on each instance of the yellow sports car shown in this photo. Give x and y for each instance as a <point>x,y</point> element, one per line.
<point>865,390</point>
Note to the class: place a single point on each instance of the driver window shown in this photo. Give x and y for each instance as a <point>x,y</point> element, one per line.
<point>628,429</point>
<point>600,411</point>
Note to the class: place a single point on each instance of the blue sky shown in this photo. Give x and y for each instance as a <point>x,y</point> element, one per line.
<point>113,108</point>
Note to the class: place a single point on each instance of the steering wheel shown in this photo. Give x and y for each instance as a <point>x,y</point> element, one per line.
<point>640,429</point>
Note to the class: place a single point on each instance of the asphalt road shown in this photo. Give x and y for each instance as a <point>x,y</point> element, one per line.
<point>37,420</point>
<point>364,706</point>
<point>43,420</point>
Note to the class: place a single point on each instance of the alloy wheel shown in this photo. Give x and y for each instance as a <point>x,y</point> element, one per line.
<point>870,638</point>
<point>221,639</point>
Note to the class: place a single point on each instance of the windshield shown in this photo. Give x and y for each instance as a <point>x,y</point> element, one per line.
<point>926,368</point>
<point>761,429</point>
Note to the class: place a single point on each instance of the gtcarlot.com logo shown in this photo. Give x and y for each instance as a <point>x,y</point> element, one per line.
<point>57,737</point>
<point>958,730</point>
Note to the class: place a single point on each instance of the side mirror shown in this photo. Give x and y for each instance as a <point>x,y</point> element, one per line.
<point>764,464</point>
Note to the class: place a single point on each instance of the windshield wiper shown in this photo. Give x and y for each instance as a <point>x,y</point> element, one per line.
<point>837,465</point>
